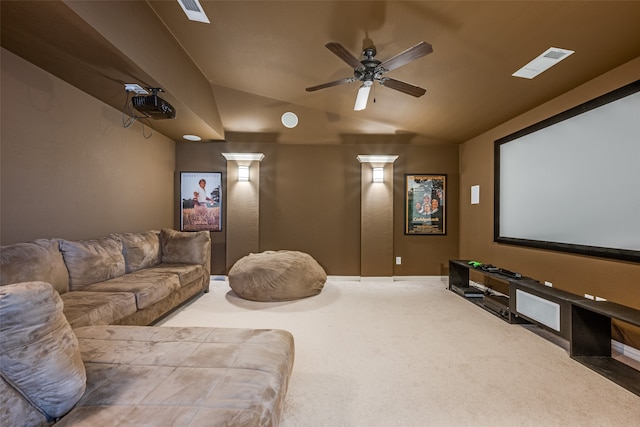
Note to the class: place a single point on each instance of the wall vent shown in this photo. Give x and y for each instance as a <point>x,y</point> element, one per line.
<point>546,60</point>
<point>194,11</point>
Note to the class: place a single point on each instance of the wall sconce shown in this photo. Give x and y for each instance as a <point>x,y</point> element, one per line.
<point>378,174</point>
<point>243,173</point>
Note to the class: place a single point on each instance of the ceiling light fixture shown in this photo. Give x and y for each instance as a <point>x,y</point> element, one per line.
<point>363,95</point>
<point>546,60</point>
<point>194,138</point>
<point>289,120</point>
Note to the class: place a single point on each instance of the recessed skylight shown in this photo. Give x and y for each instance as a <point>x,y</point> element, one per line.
<point>546,60</point>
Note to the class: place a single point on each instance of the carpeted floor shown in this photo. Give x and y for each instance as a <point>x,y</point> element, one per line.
<point>411,353</point>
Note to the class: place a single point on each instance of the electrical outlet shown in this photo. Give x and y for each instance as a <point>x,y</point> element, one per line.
<point>588,296</point>
<point>549,284</point>
<point>398,260</point>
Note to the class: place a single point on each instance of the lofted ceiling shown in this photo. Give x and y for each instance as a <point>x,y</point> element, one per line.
<point>232,79</point>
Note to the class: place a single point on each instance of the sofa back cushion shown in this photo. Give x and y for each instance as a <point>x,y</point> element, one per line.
<point>39,260</point>
<point>39,353</point>
<point>187,247</point>
<point>140,250</point>
<point>92,261</point>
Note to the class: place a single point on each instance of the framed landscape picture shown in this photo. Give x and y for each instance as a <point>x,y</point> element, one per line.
<point>200,201</point>
<point>425,204</point>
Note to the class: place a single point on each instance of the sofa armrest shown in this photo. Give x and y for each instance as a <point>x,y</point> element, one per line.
<point>186,247</point>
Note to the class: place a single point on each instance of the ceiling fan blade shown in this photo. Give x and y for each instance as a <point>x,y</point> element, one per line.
<point>403,58</point>
<point>334,83</point>
<point>344,54</point>
<point>403,87</point>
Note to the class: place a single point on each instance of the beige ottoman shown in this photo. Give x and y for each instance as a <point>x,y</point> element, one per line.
<point>277,276</point>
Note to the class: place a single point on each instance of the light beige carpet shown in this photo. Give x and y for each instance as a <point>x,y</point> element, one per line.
<point>411,353</point>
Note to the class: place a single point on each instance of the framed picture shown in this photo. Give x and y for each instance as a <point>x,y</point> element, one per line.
<point>425,204</point>
<point>201,201</point>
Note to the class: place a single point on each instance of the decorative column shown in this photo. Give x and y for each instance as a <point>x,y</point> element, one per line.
<point>243,205</point>
<point>376,215</point>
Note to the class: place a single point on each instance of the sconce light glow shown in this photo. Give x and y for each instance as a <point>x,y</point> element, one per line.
<point>243,173</point>
<point>378,174</point>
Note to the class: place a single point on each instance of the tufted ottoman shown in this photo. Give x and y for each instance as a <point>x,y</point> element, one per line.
<point>276,276</point>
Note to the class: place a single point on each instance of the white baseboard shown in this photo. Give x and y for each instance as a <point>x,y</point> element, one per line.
<point>414,278</point>
<point>383,278</point>
<point>378,279</point>
<point>344,278</point>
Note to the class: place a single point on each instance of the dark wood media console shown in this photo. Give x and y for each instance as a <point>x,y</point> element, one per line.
<point>590,341</point>
<point>459,283</point>
<point>585,323</point>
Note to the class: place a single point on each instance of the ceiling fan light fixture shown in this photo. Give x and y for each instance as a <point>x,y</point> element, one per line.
<point>363,96</point>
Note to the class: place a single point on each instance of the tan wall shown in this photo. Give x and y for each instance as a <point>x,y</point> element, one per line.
<point>310,200</point>
<point>376,221</point>
<point>614,280</point>
<point>69,168</point>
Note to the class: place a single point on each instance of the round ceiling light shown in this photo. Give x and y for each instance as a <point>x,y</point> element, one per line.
<point>289,120</point>
<point>192,138</point>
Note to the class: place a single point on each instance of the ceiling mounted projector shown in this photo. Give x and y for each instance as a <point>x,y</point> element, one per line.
<point>153,106</point>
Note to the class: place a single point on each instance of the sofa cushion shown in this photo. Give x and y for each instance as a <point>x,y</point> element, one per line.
<point>39,260</point>
<point>140,250</point>
<point>92,261</point>
<point>39,353</point>
<point>185,247</point>
<point>148,287</point>
<point>97,308</point>
<point>187,273</point>
<point>183,377</point>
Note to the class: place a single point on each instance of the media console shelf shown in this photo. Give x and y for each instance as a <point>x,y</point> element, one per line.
<point>585,323</point>
<point>590,341</point>
<point>499,305</point>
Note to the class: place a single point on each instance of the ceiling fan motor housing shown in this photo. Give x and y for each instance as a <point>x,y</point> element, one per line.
<point>370,71</point>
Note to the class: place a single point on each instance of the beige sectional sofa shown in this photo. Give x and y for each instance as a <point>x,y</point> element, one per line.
<point>67,359</point>
<point>120,279</point>
<point>133,375</point>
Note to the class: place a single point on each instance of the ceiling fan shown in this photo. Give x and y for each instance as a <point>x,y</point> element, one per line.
<point>370,69</point>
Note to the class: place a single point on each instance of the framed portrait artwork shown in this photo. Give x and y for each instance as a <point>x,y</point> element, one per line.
<point>200,201</point>
<point>425,204</point>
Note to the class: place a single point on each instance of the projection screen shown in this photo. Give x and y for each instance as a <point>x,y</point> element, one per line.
<point>571,182</point>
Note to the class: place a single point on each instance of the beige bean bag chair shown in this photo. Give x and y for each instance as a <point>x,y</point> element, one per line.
<point>276,276</point>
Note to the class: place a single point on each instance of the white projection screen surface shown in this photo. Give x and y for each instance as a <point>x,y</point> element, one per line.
<point>572,182</point>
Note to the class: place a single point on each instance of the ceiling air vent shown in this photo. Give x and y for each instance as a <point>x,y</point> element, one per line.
<point>546,60</point>
<point>193,10</point>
